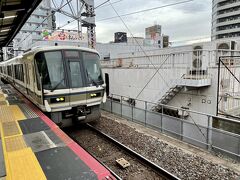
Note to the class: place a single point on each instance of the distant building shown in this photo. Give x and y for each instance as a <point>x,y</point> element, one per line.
<point>225,19</point>
<point>120,37</point>
<point>42,18</point>
<point>153,34</point>
<point>154,37</point>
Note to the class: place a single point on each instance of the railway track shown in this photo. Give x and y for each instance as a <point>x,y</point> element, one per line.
<point>107,150</point>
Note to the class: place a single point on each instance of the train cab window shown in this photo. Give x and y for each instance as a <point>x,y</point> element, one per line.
<point>92,65</point>
<point>76,76</point>
<point>51,69</point>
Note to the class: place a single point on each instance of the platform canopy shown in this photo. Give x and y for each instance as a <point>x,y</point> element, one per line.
<point>13,15</point>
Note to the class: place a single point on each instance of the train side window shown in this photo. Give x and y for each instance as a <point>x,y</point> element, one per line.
<point>18,71</point>
<point>38,77</point>
<point>15,71</point>
<point>9,70</point>
<point>21,72</point>
<point>27,74</point>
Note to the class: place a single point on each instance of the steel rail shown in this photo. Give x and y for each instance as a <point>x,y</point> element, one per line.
<point>157,168</point>
<point>111,171</point>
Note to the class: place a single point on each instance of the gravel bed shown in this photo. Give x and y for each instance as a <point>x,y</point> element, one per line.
<point>182,164</point>
<point>108,153</point>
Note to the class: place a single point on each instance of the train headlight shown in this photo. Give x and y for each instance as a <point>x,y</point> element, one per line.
<point>57,100</point>
<point>94,95</point>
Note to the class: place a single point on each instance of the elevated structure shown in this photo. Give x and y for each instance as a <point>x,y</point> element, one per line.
<point>184,76</point>
<point>225,19</point>
<point>43,22</point>
<point>81,11</point>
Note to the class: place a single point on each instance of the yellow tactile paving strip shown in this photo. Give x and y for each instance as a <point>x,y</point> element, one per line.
<point>15,143</point>
<point>24,165</point>
<point>17,113</point>
<point>11,129</point>
<point>6,115</point>
<point>20,160</point>
<point>3,103</point>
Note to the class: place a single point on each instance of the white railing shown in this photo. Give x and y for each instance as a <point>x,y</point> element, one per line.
<point>176,59</point>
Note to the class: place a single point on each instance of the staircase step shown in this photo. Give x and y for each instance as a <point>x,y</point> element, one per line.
<point>176,90</point>
<point>168,96</point>
<point>171,94</point>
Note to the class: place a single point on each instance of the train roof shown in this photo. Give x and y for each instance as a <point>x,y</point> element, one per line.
<point>35,50</point>
<point>50,48</point>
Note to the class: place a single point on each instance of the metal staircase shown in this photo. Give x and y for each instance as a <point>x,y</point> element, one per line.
<point>168,96</point>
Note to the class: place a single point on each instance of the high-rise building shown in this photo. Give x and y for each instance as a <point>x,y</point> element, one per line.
<point>154,37</point>
<point>225,19</point>
<point>153,32</point>
<point>41,18</point>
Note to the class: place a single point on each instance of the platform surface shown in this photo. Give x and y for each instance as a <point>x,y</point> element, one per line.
<point>33,147</point>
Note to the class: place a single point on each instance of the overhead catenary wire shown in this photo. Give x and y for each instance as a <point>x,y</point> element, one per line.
<point>140,11</point>
<point>100,5</point>
<point>68,22</point>
<point>108,4</point>
<point>145,10</point>
<point>148,58</point>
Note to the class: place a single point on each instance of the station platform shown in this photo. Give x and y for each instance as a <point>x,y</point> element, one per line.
<point>33,147</point>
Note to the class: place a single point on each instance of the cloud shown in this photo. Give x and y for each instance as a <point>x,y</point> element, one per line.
<point>187,21</point>
<point>195,7</point>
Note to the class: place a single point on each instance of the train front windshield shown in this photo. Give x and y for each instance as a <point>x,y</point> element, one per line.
<point>51,69</point>
<point>92,65</point>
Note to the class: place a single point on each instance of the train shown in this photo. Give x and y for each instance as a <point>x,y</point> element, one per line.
<point>65,82</point>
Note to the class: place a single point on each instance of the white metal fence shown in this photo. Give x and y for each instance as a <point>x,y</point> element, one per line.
<point>206,137</point>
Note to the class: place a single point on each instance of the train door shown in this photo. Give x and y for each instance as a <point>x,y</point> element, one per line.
<point>29,78</point>
<point>76,81</point>
<point>38,95</point>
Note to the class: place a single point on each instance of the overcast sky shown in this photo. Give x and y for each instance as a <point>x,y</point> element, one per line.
<point>189,21</point>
